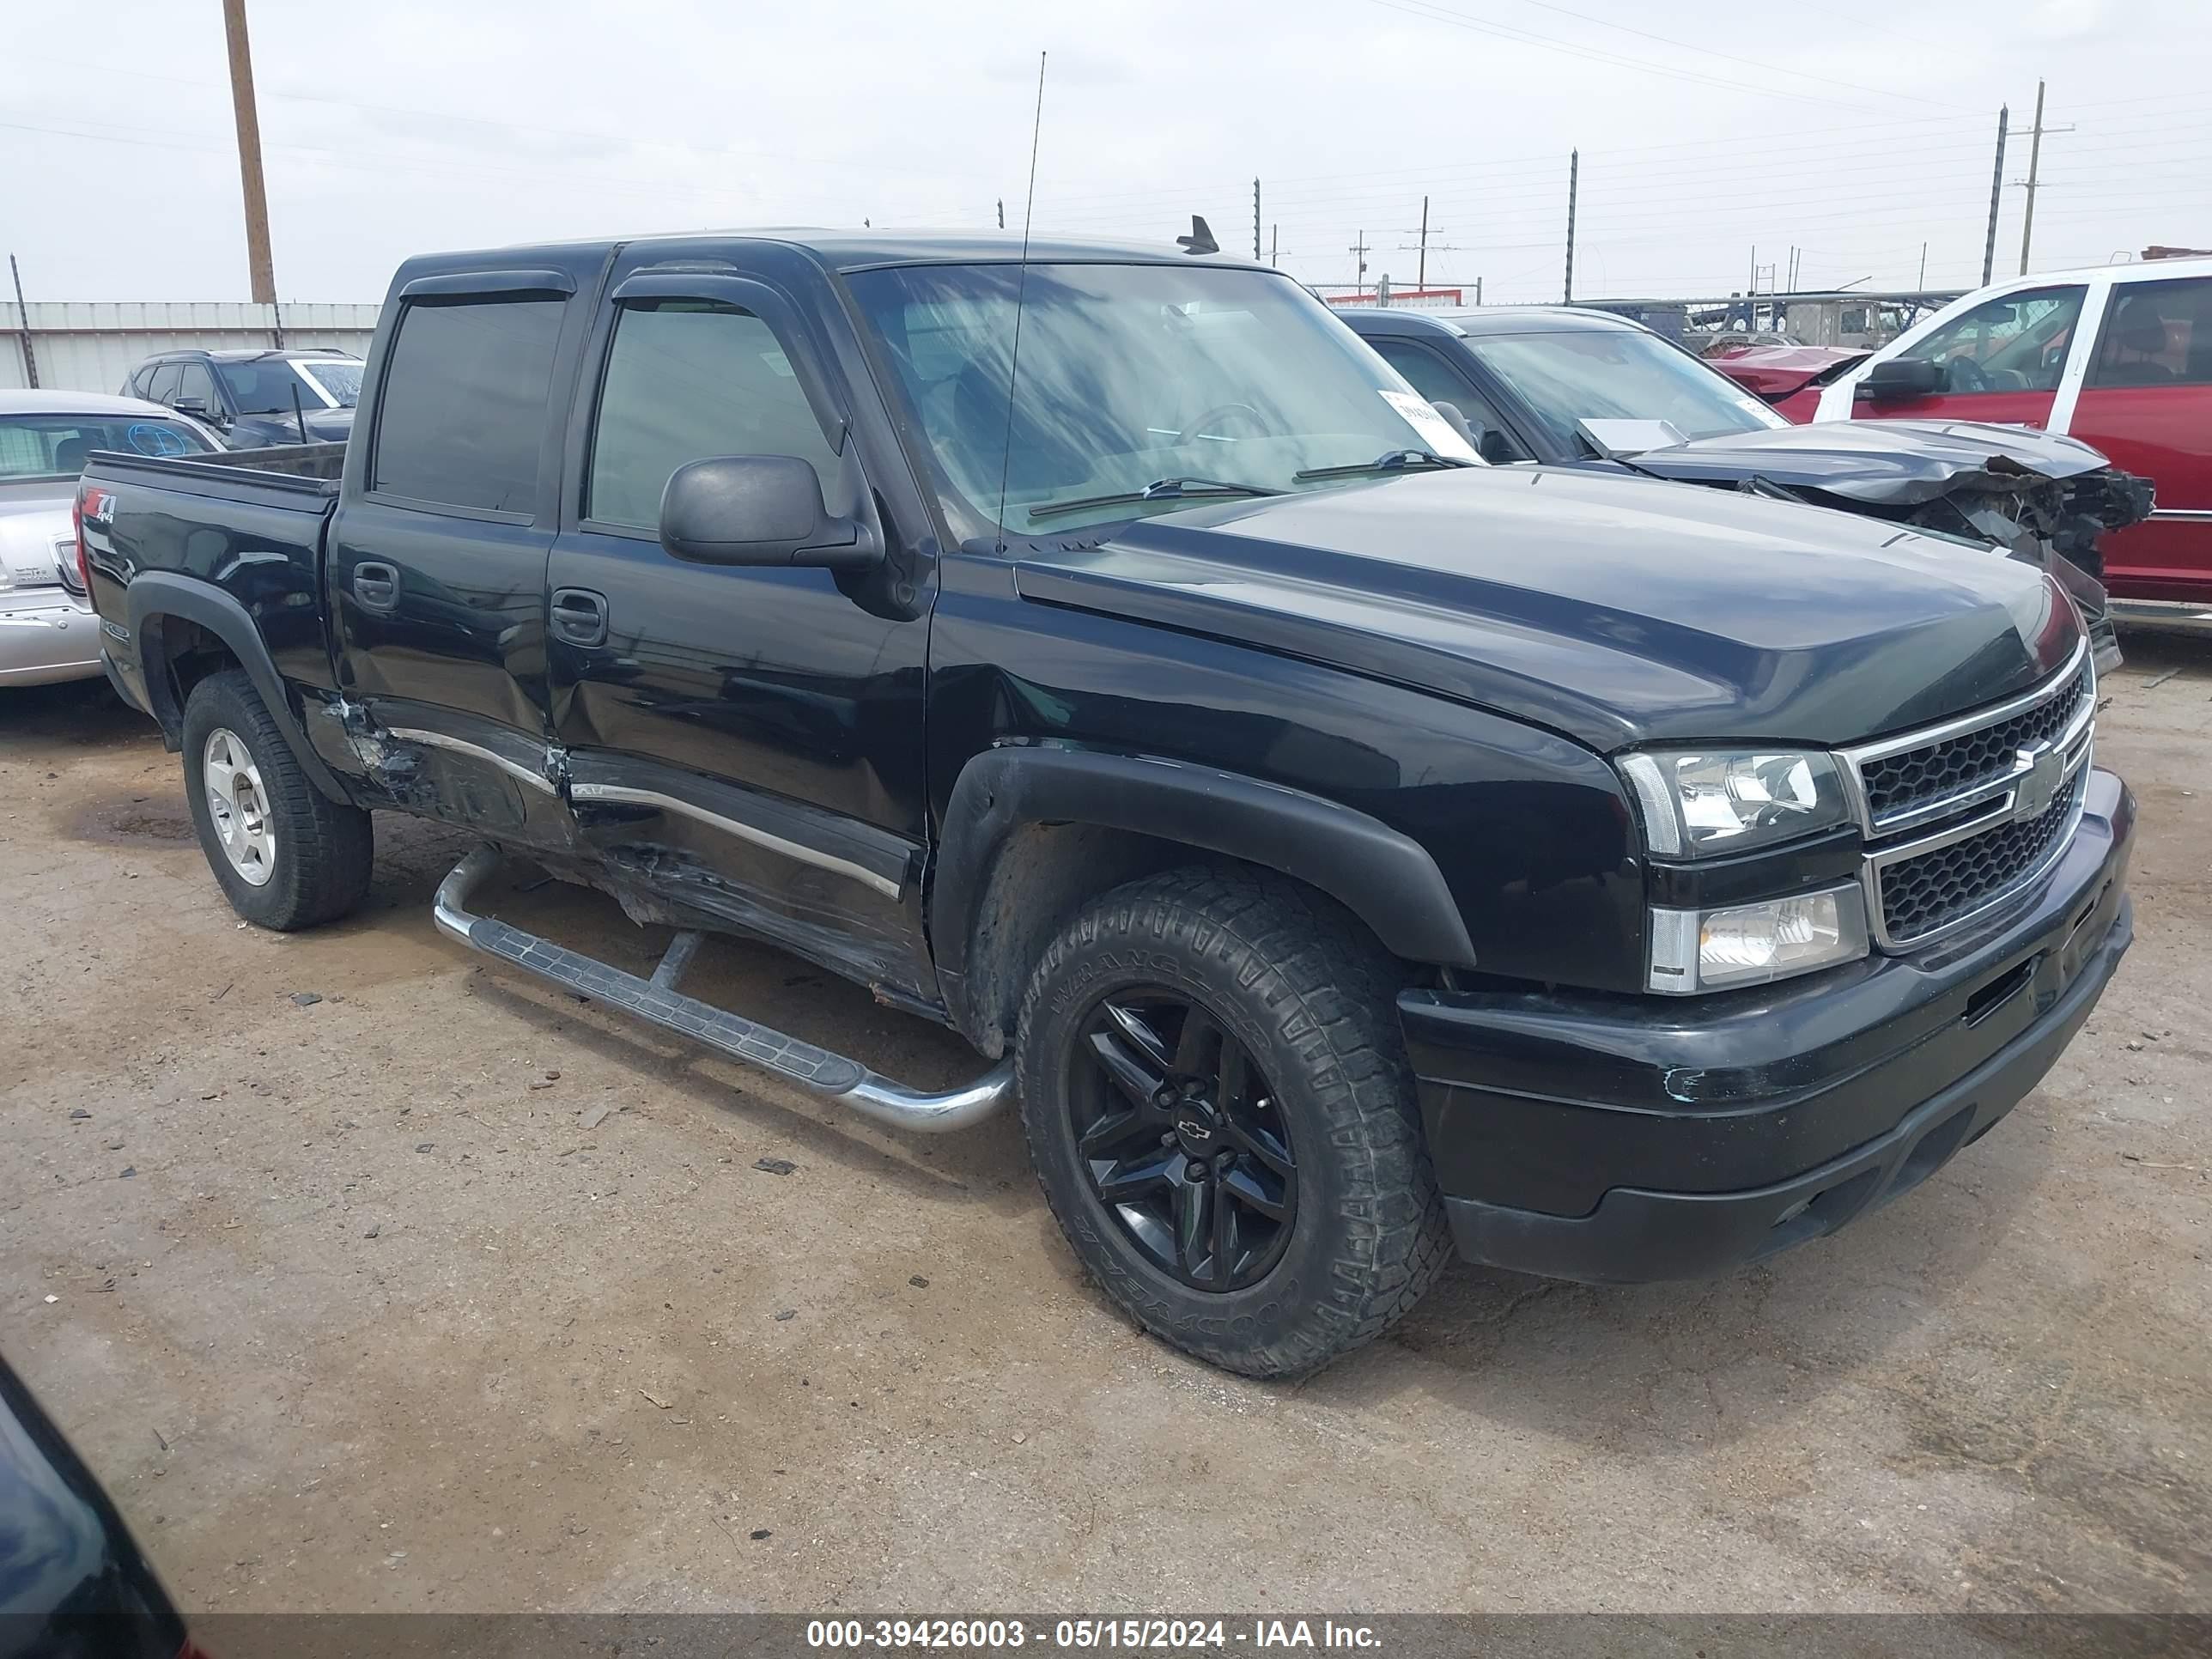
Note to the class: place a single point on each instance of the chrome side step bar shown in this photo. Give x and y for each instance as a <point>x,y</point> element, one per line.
<point>834,1077</point>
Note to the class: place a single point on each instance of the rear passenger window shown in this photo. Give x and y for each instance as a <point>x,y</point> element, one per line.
<point>463,408</point>
<point>2156,334</point>
<point>688,379</point>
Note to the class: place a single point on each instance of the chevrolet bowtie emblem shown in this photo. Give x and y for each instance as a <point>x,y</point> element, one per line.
<point>2038,786</point>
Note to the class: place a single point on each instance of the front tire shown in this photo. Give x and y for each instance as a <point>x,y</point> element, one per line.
<point>1217,1103</point>
<point>286,855</point>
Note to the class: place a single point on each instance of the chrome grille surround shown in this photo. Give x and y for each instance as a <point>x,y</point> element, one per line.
<point>1972,798</point>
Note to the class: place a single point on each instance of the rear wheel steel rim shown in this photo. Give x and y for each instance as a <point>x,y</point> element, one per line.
<point>238,806</point>
<point>1182,1139</point>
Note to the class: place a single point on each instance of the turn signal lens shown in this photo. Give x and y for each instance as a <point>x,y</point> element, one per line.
<point>1751,944</point>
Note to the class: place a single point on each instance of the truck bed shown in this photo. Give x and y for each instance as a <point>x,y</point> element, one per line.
<point>299,476</point>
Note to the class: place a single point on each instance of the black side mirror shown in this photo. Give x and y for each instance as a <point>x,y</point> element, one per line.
<point>759,510</point>
<point>1901,379</point>
<point>197,408</point>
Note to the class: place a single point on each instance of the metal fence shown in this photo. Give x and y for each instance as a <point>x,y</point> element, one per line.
<point>93,347</point>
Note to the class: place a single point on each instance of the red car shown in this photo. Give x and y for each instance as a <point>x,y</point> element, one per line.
<point>2119,357</point>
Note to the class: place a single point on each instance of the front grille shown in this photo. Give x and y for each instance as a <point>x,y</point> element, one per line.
<point>1924,894</point>
<point>1939,808</point>
<point>1899,783</point>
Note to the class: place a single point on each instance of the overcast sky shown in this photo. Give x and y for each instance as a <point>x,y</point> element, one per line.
<point>1852,132</point>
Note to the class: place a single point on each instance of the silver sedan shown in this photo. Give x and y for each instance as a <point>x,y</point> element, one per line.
<point>47,629</point>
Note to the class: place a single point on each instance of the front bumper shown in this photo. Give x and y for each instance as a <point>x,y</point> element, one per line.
<point>45,635</point>
<point>1616,1141</point>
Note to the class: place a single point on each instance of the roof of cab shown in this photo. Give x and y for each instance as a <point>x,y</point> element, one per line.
<point>1481,321</point>
<point>862,250</point>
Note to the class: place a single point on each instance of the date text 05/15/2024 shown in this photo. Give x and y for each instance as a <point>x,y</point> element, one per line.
<point>1125,1635</point>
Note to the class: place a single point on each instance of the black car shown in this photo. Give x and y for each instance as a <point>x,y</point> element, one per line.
<point>1563,386</point>
<point>1340,849</point>
<point>257,398</point>
<point>73,1585</point>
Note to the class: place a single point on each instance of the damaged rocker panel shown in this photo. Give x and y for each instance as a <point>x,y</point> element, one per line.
<point>670,846</point>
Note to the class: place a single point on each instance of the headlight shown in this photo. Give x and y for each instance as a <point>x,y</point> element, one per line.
<point>1710,801</point>
<point>1696,951</point>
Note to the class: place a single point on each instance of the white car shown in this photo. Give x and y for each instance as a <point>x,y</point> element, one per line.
<point>47,629</point>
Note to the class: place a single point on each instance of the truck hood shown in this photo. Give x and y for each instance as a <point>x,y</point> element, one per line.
<point>1880,463</point>
<point>323,426</point>
<point>1612,610</point>
<point>1774,372</point>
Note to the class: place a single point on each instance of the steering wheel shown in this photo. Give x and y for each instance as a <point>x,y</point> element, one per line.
<point>1224,411</point>
<point>1964,374</point>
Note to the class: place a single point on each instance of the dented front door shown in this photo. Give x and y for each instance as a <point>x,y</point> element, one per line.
<point>746,741</point>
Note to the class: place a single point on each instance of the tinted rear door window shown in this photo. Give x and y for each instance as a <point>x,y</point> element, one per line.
<point>2156,334</point>
<point>463,409</point>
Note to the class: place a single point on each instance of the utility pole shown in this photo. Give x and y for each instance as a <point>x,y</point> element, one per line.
<point>1478,290</point>
<point>1574,178</point>
<point>1751,292</point>
<point>1922,285</point>
<point>23,315</point>
<point>1256,221</point>
<point>262,273</point>
<point>1002,213</point>
<point>2034,157</point>
<point>1358,251</point>
<point>1274,244</point>
<point>1421,274</point>
<point>1996,195</point>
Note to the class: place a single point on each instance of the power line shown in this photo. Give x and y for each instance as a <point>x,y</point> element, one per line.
<point>1753,63</point>
<point>1435,14</point>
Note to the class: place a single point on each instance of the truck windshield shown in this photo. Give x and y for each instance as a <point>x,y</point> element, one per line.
<point>54,446</point>
<point>1221,382</point>
<point>1616,374</point>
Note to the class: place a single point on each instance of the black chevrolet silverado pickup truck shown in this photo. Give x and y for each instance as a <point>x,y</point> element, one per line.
<point>1340,849</point>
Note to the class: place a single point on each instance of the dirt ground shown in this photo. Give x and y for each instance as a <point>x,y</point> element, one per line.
<point>352,1312</point>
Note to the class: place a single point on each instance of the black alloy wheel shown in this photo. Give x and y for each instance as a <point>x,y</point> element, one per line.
<point>1182,1139</point>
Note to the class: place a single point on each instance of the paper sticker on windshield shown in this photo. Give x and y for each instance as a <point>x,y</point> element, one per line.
<point>1436,434</point>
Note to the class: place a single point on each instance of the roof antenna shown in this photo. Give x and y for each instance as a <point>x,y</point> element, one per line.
<point>1021,289</point>
<point>1200,239</point>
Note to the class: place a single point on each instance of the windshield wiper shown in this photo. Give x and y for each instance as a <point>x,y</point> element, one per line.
<point>1391,460</point>
<point>1160,490</point>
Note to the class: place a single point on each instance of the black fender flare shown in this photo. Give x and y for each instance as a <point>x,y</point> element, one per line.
<point>1382,875</point>
<point>155,596</point>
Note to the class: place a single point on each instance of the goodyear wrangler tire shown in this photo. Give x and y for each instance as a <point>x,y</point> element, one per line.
<point>1217,1103</point>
